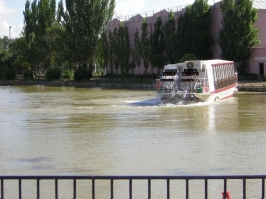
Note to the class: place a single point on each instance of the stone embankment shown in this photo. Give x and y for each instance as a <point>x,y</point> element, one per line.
<point>89,84</point>
<point>248,86</point>
<point>252,86</point>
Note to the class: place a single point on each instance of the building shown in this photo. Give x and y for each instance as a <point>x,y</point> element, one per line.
<point>257,61</point>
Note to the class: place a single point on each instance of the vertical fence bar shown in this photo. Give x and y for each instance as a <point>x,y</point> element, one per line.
<point>130,188</point>
<point>93,188</point>
<point>74,188</point>
<point>187,189</point>
<point>244,188</point>
<point>263,188</point>
<point>149,188</point>
<point>2,188</point>
<point>224,197</point>
<point>206,188</point>
<point>56,188</point>
<point>19,189</point>
<point>168,188</point>
<point>38,188</point>
<point>112,188</point>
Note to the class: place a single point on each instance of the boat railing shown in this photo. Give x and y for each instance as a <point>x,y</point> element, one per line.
<point>203,84</point>
<point>241,184</point>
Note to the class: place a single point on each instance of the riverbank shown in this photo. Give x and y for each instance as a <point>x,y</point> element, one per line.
<point>251,86</point>
<point>248,86</point>
<point>89,84</point>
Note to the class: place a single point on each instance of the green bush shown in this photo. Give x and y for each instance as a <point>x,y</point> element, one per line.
<point>28,75</point>
<point>68,74</point>
<point>53,74</point>
<point>188,57</point>
<point>7,74</point>
<point>10,74</point>
<point>82,74</point>
<point>98,73</point>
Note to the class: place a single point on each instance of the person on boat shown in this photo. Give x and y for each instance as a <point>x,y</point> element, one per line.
<point>197,84</point>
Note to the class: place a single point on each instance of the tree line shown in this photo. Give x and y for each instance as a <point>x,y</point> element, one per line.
<point>74,35</point>
<point>187,38</point>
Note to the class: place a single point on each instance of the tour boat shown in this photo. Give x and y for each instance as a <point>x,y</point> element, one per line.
<point>197,81</point>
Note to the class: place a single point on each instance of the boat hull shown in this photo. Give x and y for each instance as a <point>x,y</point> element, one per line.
<point>182,96</point>
<point>218,94</point>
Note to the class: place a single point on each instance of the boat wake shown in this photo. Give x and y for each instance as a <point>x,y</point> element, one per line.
<point>158,103</point>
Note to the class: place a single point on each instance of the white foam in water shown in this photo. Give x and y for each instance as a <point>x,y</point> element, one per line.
<point>157,102</point>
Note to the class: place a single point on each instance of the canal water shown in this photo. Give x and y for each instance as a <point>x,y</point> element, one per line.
<point>94,131</point>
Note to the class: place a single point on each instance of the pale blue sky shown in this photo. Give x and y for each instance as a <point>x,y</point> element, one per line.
<point>11,11</point>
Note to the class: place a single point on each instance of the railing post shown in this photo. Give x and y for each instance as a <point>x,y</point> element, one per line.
<point>38,188</point>
<point>244,188</point>
<point>263,188</point>
<point>74,188</point>
<point>149,188</point>
<point>168,188</point>
<point>206,188</point>
<point>187,189</point>
<point>93,188</point>
<point>130,188</point>
<point>112,188</point>
<point>224,196</point>
<point>2,188</point>
<point>56,188</point>
<point>19,189</point>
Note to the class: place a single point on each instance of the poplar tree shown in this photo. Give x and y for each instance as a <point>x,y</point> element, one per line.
<point>102,50</point>
<point>116,49</point>
<point>38,17</point>
<point>122,48</point>
<point>157,58</point>
<point>145,45</point>
<point>137,49</point>
<point>111,51</point>
<point>193,33</point>
<point>170,38</point>
<point>238,35</point>
<point>84,20</point>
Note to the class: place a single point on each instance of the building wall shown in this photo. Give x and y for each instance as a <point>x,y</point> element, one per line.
<point>257,59</point>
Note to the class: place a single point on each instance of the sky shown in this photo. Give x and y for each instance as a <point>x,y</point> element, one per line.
<point>12,19</point>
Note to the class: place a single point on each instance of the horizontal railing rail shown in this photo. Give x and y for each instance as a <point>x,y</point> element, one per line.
<point>224,178</point>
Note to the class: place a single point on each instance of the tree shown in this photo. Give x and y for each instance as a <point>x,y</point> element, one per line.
<point>111,44</point>
<point>137,49</point>
<point>4,43</point>
<point>238,34</point>
<point>38,17</point>
<point>193,33</point>
<point>19,49</point>
<point>122,48</point>
<point>145,45</point>
<point>157,58</point>
<point>102,50</point>
<point>116,48</point>
<point>127,51</point>
<point>84,21</point>
<point>188,57</point>
<point>170,38</point>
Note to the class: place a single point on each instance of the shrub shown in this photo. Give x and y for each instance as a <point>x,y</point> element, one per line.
<point>28,75</point>
<point>53,74</point>
<point>98,73</point>
<point>81,74</point>
<point>188,57</point>
<point>68,74</point>
<point>8,74</point>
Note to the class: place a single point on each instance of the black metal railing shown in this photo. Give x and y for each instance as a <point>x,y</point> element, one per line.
<point>168,180</point>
